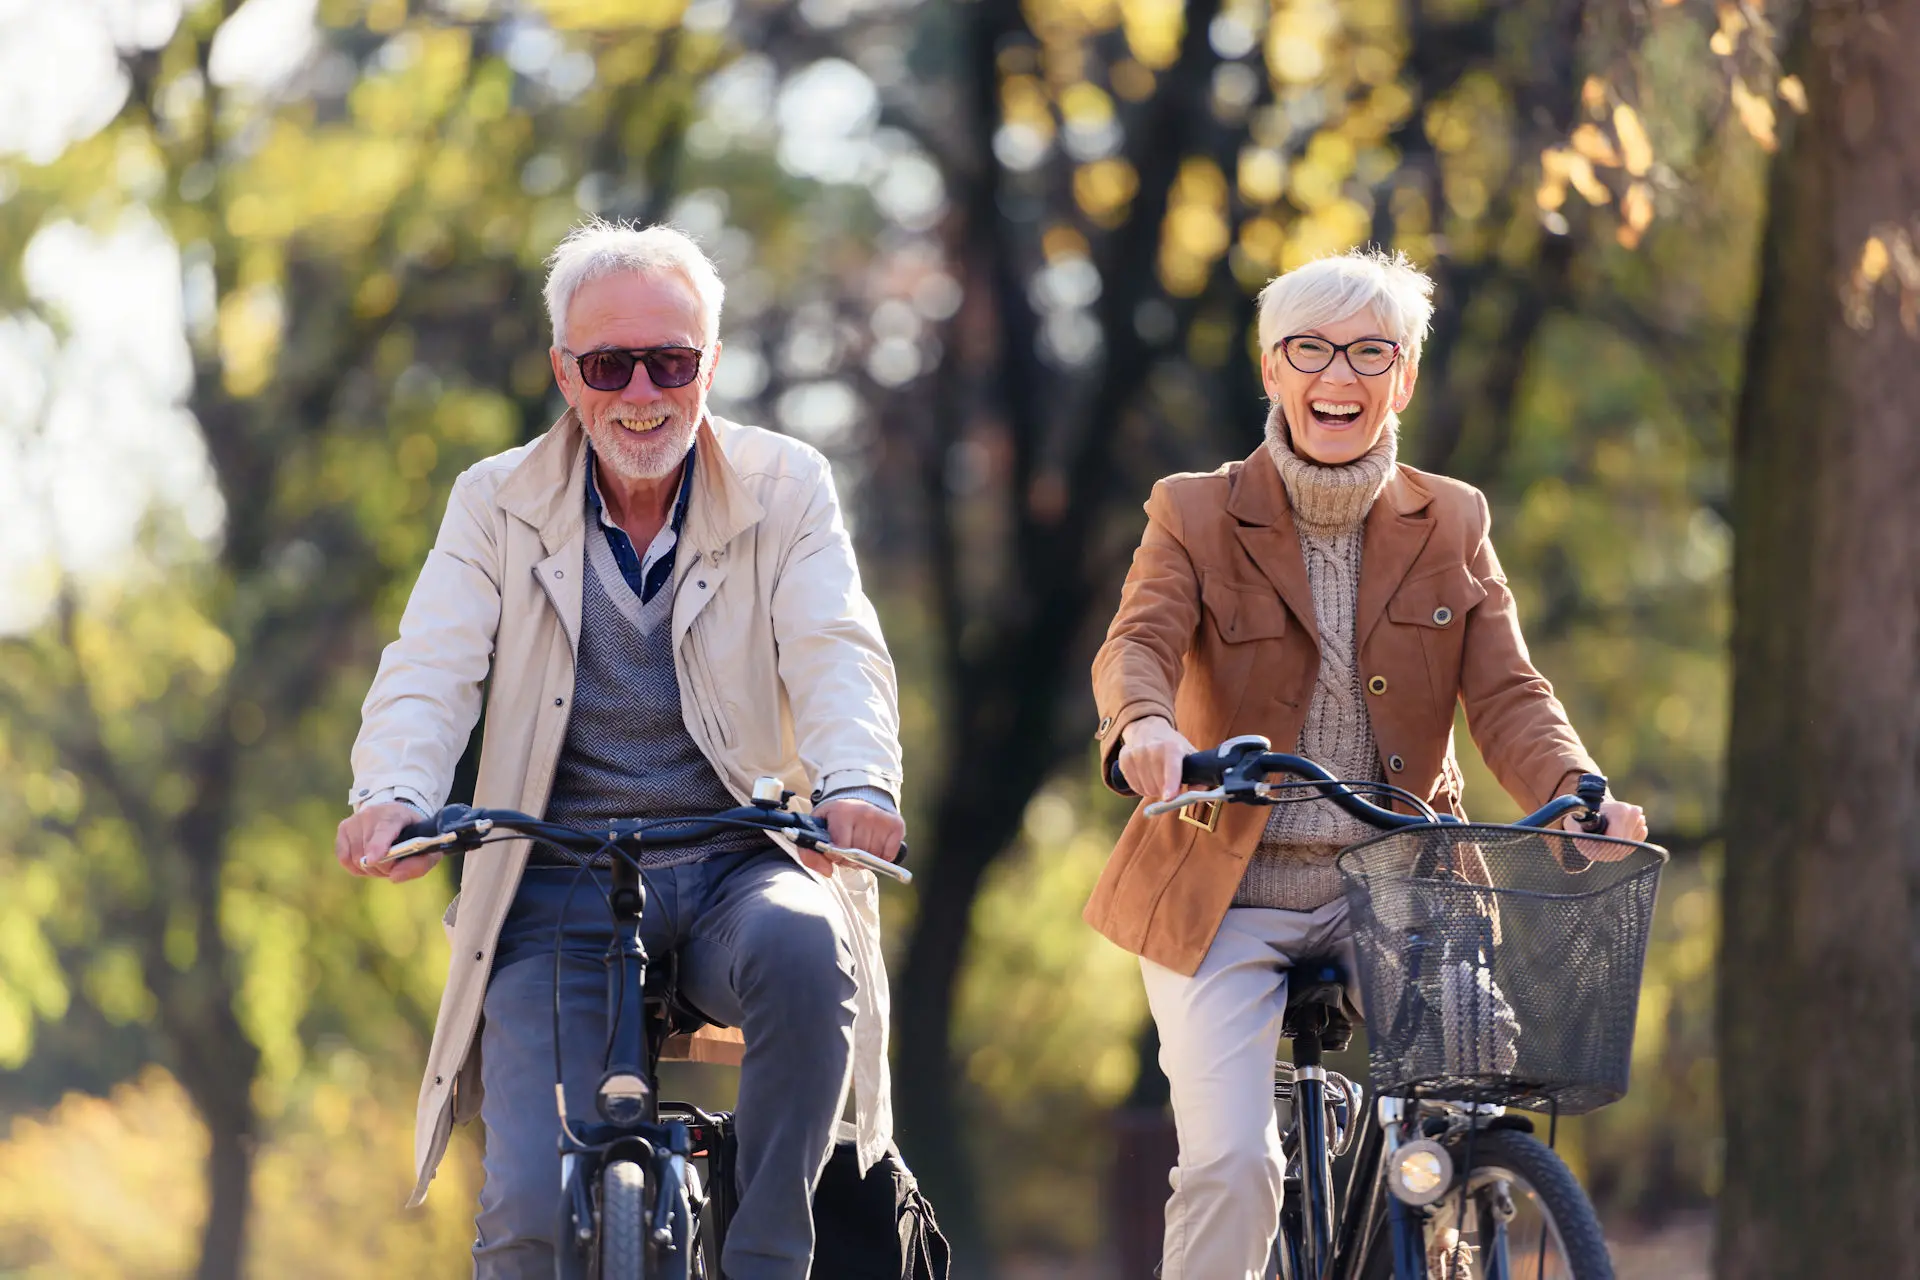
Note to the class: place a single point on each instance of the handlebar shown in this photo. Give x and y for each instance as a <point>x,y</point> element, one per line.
<point>459,827</point>
<point>1236,772</point>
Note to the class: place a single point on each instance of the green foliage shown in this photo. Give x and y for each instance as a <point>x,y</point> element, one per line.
<point>362,259</point>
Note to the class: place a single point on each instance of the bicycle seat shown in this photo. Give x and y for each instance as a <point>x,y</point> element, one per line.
<point>1317,996</point>
<point>679,1032</point>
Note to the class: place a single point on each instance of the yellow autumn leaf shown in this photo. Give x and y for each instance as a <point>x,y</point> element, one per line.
<point>1756,113</point>
<point>1874,259</point>
<point>1636,206</point>
<point>1592,142</point>
<point>1580,174</point>
<point>1593,95</point>
<point>1794,94</point>
<point>1721,43</point>
<point>1636,151</point>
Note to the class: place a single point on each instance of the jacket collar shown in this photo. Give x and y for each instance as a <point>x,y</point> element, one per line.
<point>547,489</point>
<point>1396,532</point>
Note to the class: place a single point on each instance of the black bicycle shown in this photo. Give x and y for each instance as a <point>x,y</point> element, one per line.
<point>1500,968</point>
<point>633,1207</point>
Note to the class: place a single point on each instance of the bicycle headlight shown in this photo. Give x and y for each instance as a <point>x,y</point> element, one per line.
<point>622,1098</point>
<point>1419,1172</point>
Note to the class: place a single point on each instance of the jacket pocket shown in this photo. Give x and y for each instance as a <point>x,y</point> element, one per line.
<point>1242,611</point>
<point>1439,601</point>
<point>1435,608</point>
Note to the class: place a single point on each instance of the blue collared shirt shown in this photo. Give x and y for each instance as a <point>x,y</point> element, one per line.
<point>644,574</point>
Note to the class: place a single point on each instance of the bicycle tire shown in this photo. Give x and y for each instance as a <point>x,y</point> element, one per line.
<point>623,1222</point>
<point>1576,1249</point>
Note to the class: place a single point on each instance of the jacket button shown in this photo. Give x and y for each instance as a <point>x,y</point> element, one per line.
<point>479,955</point>
<point>1377,685</point>
<point>436,1079</point>
<point>559,702</point>
<point>1106,723</point>
<point>1395,763</point>
<point>1442,616</point>
<point>702,584</point>
<point>559,573</point>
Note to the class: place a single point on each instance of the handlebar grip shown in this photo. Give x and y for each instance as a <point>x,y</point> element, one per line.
<point>1204,768</point>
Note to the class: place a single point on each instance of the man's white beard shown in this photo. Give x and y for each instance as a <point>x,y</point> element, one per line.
<point>636,456</point>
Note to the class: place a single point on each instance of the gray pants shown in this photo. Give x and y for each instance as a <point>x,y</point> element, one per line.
<point>762,947</point>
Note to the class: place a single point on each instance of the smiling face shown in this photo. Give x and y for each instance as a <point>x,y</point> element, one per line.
<point>642,431</point>
<point>1336,415</point>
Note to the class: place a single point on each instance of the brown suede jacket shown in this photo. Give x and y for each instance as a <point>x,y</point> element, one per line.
<point>1216,632</point>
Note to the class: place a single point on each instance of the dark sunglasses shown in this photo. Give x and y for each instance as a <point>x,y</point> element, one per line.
<point>611,368</point>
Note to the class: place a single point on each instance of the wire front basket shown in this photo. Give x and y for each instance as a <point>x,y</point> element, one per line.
<point>1492,970</point>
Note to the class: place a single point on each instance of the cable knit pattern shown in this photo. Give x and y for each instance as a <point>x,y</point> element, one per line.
<point>1292,868</point>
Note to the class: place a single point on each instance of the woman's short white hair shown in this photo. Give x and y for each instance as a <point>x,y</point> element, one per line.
<point>599,248</point>
<point>1329,290</point>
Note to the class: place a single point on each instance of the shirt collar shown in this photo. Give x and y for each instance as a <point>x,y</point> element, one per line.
<point>680,502</point>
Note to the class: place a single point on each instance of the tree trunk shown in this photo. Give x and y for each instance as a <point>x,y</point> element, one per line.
<point>1819,994</point>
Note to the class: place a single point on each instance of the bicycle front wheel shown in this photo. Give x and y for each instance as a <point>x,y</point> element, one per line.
<point>1551,1235</point>
<point>628,1248</point>
<point>623,1222</point>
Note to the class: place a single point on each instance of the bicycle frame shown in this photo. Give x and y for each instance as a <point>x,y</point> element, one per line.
<point>629,1127</point>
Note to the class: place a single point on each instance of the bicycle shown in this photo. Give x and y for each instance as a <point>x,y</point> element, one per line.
<point>632,1206</point>
<point>1451,923</point>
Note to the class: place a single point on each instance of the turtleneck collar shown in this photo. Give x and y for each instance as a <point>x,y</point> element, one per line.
<point>1331,499</point>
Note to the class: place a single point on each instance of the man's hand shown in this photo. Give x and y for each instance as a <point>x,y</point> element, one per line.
<point>368,834</point>
<point>1627,821</point>
<point>1151,754</point>
<point>855,824</point>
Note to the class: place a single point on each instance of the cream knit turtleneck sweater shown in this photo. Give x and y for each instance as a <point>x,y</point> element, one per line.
<point>1292,868</point>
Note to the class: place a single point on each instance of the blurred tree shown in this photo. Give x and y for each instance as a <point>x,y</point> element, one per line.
<point>1821,901</point>
<point>175,742</point>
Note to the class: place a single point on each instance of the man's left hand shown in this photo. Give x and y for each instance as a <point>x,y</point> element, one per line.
<point>855,824</point>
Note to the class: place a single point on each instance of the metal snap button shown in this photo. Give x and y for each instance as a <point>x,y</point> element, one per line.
<point>1377,685</point>
<point>1442,616</point>
<point>1395,763</point>
<point>1106,723</point>
<point>703,584</point>
<point>559,573</point>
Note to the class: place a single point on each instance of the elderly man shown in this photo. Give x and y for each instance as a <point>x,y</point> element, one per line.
<point>667,607</point>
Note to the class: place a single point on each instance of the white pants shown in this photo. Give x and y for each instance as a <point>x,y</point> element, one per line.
<point>1219,1035</point>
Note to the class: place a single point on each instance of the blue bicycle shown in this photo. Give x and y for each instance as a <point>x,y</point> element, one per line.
<point>1500,969</point>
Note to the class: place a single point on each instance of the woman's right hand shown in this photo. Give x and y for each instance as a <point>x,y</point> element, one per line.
<point>1152,752</point>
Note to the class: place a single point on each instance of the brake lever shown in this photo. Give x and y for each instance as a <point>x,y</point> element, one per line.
<point>861,858</point>
<point>1184,800</point>
<point>427,844</point>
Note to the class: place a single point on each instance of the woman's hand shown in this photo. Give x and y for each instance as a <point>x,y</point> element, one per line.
<point>1627,821</point>
<point>1151,753</point>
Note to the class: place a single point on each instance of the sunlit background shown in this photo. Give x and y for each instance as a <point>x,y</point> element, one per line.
<point>269,279</point>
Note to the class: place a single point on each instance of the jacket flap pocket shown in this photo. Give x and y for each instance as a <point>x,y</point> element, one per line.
<point>1437,599</point>
<point>1243,611</point>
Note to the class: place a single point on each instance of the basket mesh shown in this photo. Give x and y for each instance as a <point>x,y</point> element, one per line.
<point>1491,973</point>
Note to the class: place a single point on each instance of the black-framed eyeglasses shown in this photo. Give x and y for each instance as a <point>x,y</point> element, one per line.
<point>611,368</point>
<point>1368,357</point>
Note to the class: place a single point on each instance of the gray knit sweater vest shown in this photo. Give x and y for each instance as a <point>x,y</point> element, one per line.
<point>1292,867</point>
<point>628,753</point>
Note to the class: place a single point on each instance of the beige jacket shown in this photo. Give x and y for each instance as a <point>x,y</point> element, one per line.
<point>782,671</point>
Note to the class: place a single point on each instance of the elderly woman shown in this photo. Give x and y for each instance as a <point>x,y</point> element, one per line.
<point>1339,603</point>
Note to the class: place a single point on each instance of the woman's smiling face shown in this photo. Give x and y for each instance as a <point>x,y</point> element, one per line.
<point>1336,415</point>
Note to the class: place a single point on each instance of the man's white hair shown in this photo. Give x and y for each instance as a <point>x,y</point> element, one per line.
<point>599,248</point>
<point>1329,290</point>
